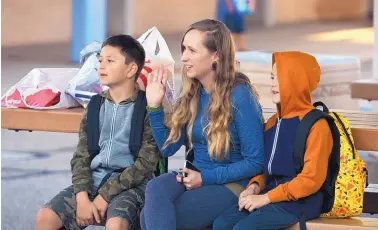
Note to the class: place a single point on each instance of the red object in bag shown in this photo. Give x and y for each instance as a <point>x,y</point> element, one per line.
<point>142,79</point>
<point>13,100</point>
<point>43,98</point>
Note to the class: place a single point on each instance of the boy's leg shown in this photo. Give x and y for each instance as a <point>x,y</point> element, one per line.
<point>198,208</point>
<point>47,219</point>
<point>59,212</point>
<point>228,219</point>
<point>268,217</point>
<point>159,208</point>
<point>124,210</point>
<point>117,223</point>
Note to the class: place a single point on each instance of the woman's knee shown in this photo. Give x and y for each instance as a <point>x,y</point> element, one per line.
<point>116,223</point>
<point>47,217</point>
<point>159,185</point>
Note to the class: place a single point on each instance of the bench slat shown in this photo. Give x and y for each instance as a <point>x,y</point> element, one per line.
<point>68,120</point>
<point>62,120</point>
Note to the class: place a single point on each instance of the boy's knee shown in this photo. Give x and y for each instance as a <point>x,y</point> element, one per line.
<point>152,184</point>
<point>47,217</point>
<point>116,223</point>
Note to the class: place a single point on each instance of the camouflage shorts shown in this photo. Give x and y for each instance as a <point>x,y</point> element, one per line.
<point>126,205</point>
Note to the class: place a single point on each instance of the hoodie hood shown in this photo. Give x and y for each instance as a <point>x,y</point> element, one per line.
<point>298,75</point>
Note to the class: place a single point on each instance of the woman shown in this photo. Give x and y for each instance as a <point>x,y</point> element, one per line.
<point>219,115</point>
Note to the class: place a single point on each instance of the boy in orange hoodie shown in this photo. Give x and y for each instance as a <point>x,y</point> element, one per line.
<point>281,197</point>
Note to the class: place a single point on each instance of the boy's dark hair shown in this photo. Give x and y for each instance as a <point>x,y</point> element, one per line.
<point>130,48</point>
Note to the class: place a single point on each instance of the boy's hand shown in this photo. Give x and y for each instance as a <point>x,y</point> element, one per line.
<point>192,180</point>
<point>85,210</point>
<point>253,189</point>
<point>101,205</point>
<point>155,89</point>
<point>252,202</point>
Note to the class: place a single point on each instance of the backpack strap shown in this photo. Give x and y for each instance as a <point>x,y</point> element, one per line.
<point>93,127</point>
<point>334,160</point>
<point>302,133</point>
<point>333,168</point>
<point>137,123</point>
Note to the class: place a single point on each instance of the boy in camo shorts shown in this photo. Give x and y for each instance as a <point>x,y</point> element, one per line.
<point>108,181</point>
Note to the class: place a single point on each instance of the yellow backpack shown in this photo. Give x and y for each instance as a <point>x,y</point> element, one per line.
<point>352,177</point>
<point>343,188</point>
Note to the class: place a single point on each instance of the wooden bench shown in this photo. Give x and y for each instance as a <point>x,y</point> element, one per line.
<point>61,120</point>
<point>364,125</point>
<point>364,130</point>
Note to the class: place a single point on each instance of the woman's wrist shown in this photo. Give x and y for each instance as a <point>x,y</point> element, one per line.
<point>154,108</point>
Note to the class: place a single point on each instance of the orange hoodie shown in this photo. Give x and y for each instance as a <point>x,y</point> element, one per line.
<point>298,75</point>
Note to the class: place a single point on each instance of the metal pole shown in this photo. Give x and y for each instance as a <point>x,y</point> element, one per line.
<point>88,25</point>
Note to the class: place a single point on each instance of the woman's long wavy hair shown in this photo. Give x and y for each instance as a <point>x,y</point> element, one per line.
<point>217,39</point>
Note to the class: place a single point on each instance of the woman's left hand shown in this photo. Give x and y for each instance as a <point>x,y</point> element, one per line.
<point>192,180</point>
<point>252,202</point>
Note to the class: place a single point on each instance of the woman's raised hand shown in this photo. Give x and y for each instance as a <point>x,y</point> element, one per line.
<point>155,89</point>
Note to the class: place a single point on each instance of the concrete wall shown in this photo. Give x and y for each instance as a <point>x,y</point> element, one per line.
<point>45,21</point>
<point>293,11</point>
<point>170,16</point>
<point>35,21</point>
<point>115,12</point>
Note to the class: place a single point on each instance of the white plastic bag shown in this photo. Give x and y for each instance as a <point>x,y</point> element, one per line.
<point>157,53</point>
<point>86,83</point>
<point>42,89</point>
<point>91,49</point>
